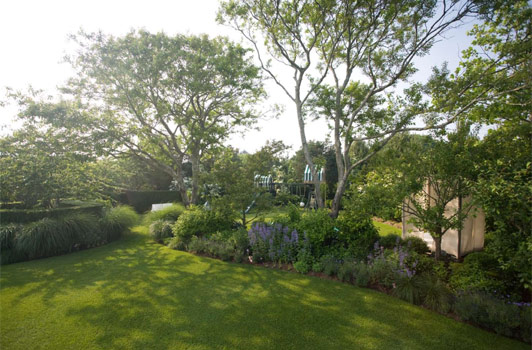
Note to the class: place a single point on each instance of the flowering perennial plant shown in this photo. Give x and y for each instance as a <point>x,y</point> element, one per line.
<point>274,243</point>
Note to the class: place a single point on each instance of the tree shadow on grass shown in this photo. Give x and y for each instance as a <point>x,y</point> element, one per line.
<point>151,297</point>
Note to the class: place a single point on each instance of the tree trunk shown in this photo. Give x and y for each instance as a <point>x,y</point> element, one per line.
<point>194,159</point>
<point>437,242</point>
<point>182,189</point>
<point>306,152</point>
<point>340,190</point>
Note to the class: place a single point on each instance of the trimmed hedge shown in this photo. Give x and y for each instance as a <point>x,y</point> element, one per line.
<point>30,215</point>
<point>142,200</point>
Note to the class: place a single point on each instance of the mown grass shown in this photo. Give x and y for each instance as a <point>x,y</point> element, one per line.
<point>136,294</point>
<point>385,229</point>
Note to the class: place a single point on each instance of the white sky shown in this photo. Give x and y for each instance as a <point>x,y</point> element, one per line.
<point>33,41</point>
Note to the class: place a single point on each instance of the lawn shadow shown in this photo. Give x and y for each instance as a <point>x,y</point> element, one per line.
<point>152,297</point>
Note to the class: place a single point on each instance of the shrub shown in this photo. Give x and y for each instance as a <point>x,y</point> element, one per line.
<point>240,240</point>
<point>346,271</point>
<point>177,243</point>
<point>435,294</point>
<point>8,251</point>
<point>274,243</point>
<point>317,266</point>
<point>358,234</point>
<point>408,288</point>
<point>215,246</point>
<point>160,230</point>
<point>7,236</point>
<point>390,241</point>
<point>84,230</point>
<point>46,237</point>
<point>305,260</point>
<point>416,244</point>
<point>330,264</point>
<point>116,220</point>
<point>509,319</point>
<point>294,213</point>
<point>196,221</point>
<point>362,275</point>
<point>170,213</point>
<point>320,230</point>
<point>477,273</point>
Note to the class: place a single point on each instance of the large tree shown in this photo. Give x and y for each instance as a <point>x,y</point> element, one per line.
<point>165,100</point>
<point>377,40</point>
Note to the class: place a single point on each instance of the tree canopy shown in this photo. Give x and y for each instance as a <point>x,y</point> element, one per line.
<point>165,100</point>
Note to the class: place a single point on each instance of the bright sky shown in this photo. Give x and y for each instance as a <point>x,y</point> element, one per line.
<point>33,41</point>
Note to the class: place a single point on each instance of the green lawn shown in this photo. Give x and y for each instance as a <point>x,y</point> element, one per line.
<point>385,229</point>
<point>135,294</point>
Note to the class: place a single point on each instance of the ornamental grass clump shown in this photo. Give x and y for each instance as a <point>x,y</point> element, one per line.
<point>274,243</point>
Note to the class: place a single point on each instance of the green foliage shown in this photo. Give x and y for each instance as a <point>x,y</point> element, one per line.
<point>215,246</point>
<point>319,228</point>
<point>39,165</point>
<point>346,271</point>
<point>116,220</point>
<point>509,319</point>
<point>49,237</point>
<point>330,264</point>
<point>218,75</point>
<point>478,273</point>
<point>29,215</point>
<point>435,294</point>
<point>170,213</point>
<point>357,233</point>
<point>196,221</point>
<point>415,244</point>
<point>142,200</point>
<point>161,229</point>
<point>408,288</point>
<point>362,275</point>
<point>7,235</point>
<point>390,241</point>
<point>305,260</point>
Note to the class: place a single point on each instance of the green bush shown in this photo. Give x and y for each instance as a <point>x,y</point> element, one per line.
<point>302,267</point>
<point>362,275</point>
<point>7,236</point>
<point>346,271</point>
<point>170,213</point>
<point>8,252</point>
<point>320,230</point>
<point>43,238</point>
<point>116,220</point>
<point>196,221</point>
<point>161,229</point>
<point>177,243</point>
<point>390,241</point>
<point>408,288</point>
<point>84,229</point>
<point>509,319</point>
<point>330,264</point>
<point>358,234</point>
<point>215,246</point>
<point>416,244</point>
<point>435,294</point>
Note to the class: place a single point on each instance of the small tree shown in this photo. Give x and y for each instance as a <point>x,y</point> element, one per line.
<point>233,177</point>
<point>433,180</point>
